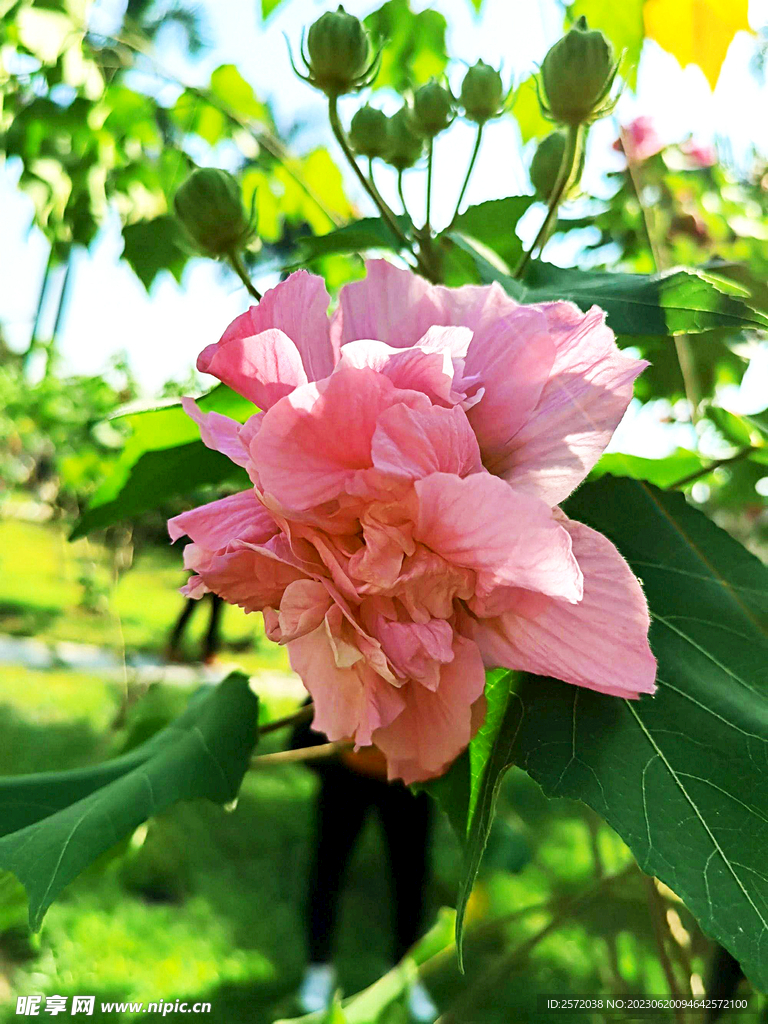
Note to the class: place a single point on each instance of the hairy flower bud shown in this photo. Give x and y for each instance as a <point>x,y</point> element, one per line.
<point>433,109</point>
<point>482,93</point>
<point>405,146</point>
<point>369,132</point>
<point>209,205</point>
<point>338,53</point>
<point>577,74</point>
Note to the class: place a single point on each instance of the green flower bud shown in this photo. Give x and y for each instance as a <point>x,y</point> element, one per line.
<point>433,109</point>
<point>338,53</point>
<point>210,206</point>
<point>482,93</point>
<point>577,75</point>
<point>405,146</point>
<point>546,163</point>
<point>369,132</point>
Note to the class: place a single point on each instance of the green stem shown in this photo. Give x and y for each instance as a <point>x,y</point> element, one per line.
<point>402,195</point>
<point>297,718</point>
<point>473,158</point>
<point>50,354</point>
<point>706,470</point>
<point>569,166</point>
<point>370,188</point>
<point>430,161</point>
<point>239,268</point>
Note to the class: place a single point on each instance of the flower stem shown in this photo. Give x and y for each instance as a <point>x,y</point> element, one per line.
<point>297,718</point>
<point>237,265</point>
<point>430,161</point>
<point>402,195</point>
<point>302,754</point>
<point>473,158</point>
<point>571,161</point>
<point>370,188</point>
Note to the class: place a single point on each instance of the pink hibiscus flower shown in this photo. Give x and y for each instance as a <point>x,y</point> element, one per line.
<point>640,140</point>
<point>402,531</point>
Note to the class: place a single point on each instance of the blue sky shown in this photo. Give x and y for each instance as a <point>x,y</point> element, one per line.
<point>162,333</point>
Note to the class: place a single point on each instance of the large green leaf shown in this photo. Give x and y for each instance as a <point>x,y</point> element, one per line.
<point>359,236</point>
<point>55,824</point>
<point>661,472</point>
<point>163,459</point>
<point>493,224</point>
<point>683,776</point>
<point>638,305</point>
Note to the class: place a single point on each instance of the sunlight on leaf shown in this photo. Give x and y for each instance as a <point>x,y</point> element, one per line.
<point>696,31</point>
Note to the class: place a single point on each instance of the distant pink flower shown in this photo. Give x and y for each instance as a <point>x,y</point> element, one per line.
<point>639,140</point>
<point>402,531</point>
<point>701,154</point>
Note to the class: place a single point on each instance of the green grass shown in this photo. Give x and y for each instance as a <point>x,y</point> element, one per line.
<point>48,583</point>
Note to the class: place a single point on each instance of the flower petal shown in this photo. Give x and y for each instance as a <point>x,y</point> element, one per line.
<point>297,306</point>
<point>261,367</point>
<point>213,526</point>
<point>435,725</point>
<point>587,393</point>
<point>251,576</point>
<point>508,537</point>
<point>389,304</point>
<point>315,441</point>
<point>412,443</point>
<point>600,643</point>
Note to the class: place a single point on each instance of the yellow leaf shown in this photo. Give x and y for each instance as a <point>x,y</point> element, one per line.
<point>696,31</point>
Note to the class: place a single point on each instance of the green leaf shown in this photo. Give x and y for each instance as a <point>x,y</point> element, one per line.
<point>415,44</point>
<point>359,236</point>
<point>55,824</point>
<point>622,23</point>
<point>154,245</point>
<point>228,85</point>
<point>661,472</point>
<point>163,459</point>
<point>527,112</point>
<point>680,776</point>
<point>493,224</point>
<point>268,7</point>
<point>677,302</point>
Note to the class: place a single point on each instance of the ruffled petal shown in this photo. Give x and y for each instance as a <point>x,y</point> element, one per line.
<point>318,438</point>
<point>215,525</point>
<point>435,725</point>
<point>413,443</point>
<point>253,577</point>
<point>221,433</point>
<point>600,643</point>
<point>507,537</point>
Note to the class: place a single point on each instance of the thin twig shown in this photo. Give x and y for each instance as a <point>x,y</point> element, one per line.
<point>473,158</point>
<point>659,922</point>
<point>237,265</point>
<point>317,753</point>
<point>571,161</point>
<point>706,470</point>
<point>682,344</point>
<point>501,967</point>
<point>373,192</point>
<point>297,718</point>
<point>430,161</point>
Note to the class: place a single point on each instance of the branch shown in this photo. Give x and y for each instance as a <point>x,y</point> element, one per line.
<point>742,453</point>
<point>297,718</point>
<point>317,753</point>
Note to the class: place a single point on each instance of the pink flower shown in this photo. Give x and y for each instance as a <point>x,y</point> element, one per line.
<point>700,154</point>
<point>402,532</point>
<point>639,140</point>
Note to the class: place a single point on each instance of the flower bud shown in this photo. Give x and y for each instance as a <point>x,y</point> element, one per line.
<point>577,74</point>
<point>338,53</point>
<point>209,205</point>
<point>433,109</point>
<point>405,146</point>
<point>482,93</point>
<point>369,132</point>
<point>546,164</point>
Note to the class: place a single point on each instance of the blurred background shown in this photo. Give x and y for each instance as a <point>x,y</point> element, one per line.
<point>103,307</point>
